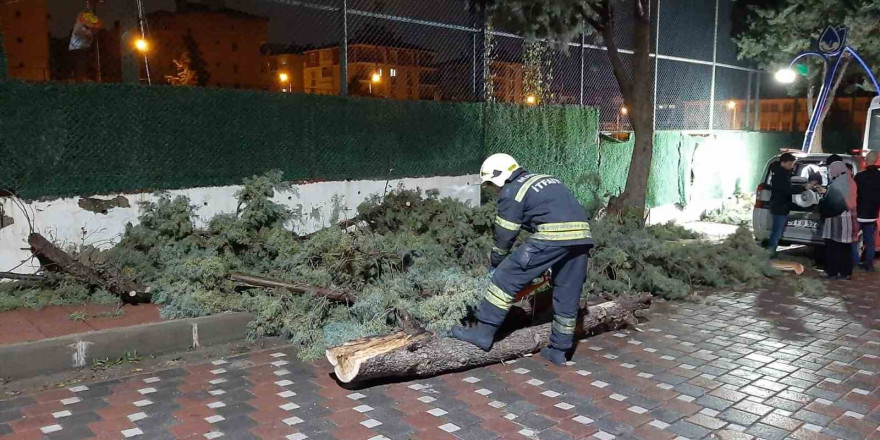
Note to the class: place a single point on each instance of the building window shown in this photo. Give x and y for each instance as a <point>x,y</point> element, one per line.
<point>19,40</point>
<point>235,69</point>
<point>218,63</point>
<point>393,73</point>
<point>21,65</point>
<point>234,47</point>
<point>17,14</point>
<point>326,73</point>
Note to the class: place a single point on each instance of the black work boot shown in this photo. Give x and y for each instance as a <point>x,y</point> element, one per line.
<point>554,355</point>
<point>482,335</point>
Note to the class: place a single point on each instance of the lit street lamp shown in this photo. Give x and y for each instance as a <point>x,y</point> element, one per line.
<point>376,78</point>
<point>785,76</point>
<point>831,48</point>
<point>141,45</point>
<point>732,106</point>
<point>285,78</point>
<point>531,99</point>
<point>623,111</point>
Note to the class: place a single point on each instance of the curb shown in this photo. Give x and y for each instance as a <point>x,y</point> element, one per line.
<point>28,359</point>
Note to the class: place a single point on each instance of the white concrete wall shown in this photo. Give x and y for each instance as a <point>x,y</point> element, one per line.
<point>63,221</point>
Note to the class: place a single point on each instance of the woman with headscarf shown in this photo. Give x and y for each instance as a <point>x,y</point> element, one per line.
<point>838,229</point>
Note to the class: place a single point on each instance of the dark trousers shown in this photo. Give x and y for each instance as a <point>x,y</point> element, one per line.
<point>869,238</point>
<point>838,258</point>
<point>530,261</point>
<point>776,231</point>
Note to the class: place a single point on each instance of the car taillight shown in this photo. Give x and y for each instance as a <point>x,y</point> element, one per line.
<point>759,203</point>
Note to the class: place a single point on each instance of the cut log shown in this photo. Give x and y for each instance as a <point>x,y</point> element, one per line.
<point>401,355</point>
<point>296,287</point>
<point>789,266</point>
<point>23,277</point>
<point>56,260</point>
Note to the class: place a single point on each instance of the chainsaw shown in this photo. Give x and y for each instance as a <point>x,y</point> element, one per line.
<point>536,285</point>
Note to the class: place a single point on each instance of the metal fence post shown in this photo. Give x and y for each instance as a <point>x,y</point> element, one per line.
<point>343,52</point>
<point>474,65</point>
<point>714,68</point>
<point>748,104</point>
<point>656,67</point>
<point>480,64</point>
<point>583,56</point>
<point>756,125</point>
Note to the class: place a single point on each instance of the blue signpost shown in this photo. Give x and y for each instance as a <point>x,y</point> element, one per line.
<point>831,48</point>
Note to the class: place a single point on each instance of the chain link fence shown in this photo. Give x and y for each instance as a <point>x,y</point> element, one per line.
<point>391,49</point>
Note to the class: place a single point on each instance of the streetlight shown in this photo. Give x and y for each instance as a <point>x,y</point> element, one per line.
<point>732,106</point>
<point>531,99</point>
<point>785,76</point>
<point>623,111</point>
<point>832,49</point>
<point>285,78</point>
<point>141,45</point>
<point>376,78</point>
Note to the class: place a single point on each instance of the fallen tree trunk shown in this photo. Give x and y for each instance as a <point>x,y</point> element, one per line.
<point>56,260</point>
<point>296,287</point>
<point>22,277</point>
<point>406,355</point>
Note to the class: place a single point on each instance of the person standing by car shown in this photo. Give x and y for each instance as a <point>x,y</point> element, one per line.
<point>868,206</point>
<point>838,231</point>
<point>781,191</point>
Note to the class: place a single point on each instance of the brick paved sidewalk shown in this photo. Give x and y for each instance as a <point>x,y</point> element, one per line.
<point>758,365</point>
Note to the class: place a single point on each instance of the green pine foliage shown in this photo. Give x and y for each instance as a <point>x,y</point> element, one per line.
<point>413,255</point>
<point>629,259</point>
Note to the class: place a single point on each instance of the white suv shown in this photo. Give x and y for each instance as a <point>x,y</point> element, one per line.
<point>803,221</point>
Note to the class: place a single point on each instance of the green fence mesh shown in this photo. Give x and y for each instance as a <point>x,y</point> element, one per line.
<point>557,140</point>
<point>66,140</point>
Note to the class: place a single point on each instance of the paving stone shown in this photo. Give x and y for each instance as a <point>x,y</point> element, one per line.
<point>535,422</point>
<point>739,417</point>
<point>784,404</point>
<point>666,415</point>
<point>554,434</point>
<point>520,407</point>
<point>613,427</point>
<point>690,390</point>
<point>812,417</point>
<point>761,430</point>
<point>689,430</point>
<point>713,402</point>
<point>840,432</point>
<point>590,410</point>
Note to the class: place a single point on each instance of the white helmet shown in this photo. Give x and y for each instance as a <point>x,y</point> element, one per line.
<point>497,168</point>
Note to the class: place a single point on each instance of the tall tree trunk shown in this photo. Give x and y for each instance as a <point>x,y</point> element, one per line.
<point>817,146</point>
<point>639,99</point>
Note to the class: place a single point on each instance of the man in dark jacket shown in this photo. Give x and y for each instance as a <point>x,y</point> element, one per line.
<point>560,241</point>
<point>781,191</point>
<point>868,206</point>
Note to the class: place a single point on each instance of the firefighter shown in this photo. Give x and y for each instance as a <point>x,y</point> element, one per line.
<point>560,241</point>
